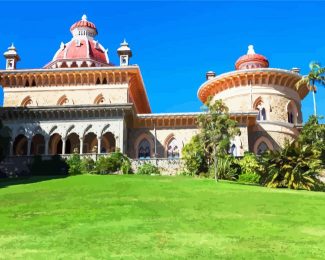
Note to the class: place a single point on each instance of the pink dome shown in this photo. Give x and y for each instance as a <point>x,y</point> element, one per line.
<point>251,60</point>
<point>82,50</point>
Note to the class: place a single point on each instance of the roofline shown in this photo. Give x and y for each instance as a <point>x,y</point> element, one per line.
<point>135,66</point>
<point>251,71</point>
<point>234,113</point>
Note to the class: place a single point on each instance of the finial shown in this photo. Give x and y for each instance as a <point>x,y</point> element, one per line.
<point>250,49</point>
<point>62,45</point>
<point>84,18</point>
<point>124,43</point>
<point>12,47</point>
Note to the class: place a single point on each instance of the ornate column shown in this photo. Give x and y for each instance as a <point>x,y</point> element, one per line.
<point>47,140</point>
<point>29,144</point>
<point>81,145</point>
<point>63,145</point>
<point>11,151</point>
<point>99,144</point>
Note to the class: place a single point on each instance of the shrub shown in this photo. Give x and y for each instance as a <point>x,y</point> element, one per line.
<point>296,166</point>
<point>249,178</point>
<point>148,169</point>
<point>249,164</point>
<point>126,167</point>
<point>87,165</point>
<point>114,162</point>
<point>194,156</point>
<point>74,163</point>
<point>227,168</point>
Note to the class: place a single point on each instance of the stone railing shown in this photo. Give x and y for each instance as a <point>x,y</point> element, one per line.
<point>165,165</point>
<point>13,165</point>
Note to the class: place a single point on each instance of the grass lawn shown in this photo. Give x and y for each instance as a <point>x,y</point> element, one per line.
<point>154,217</point>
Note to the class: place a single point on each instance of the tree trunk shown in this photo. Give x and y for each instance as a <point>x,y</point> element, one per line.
<point>215,166</point>
<point>314,99</point>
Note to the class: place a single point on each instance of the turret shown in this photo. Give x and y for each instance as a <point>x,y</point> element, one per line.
<point>12,58</point>
<point>125,53</point>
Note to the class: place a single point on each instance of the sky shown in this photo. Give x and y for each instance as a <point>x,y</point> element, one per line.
<point>174,43</point>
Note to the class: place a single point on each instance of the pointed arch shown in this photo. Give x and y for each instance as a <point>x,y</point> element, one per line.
<point>27,101</point>
<point>99,99</point>
<point>144,146</point>
<point>292,112</point>
<point>63,100</point>
<point>262,144</point>
<point>260,107</point>
<point>172,147</point>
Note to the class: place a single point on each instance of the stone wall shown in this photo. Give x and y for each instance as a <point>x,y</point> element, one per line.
<point>73,95</point>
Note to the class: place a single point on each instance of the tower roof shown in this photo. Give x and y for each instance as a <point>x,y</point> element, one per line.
<point>251,60</point>
<point>82,50</point>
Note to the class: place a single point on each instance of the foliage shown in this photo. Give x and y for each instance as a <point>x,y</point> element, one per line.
<point>315,75</point>
<point>194,156</point>
<point>249,177</point>
<point>249,164</point>
<point>74,163</point>
<point>5,137</point>
<point>227,168</point>
<point>148,169</point>
<point>87,165</point>
<point>113,163</point>
<point>313,133</point>
<point>126,167</point>
<point>296,166</point>
<point>216,130</point>
<point>54,166</point>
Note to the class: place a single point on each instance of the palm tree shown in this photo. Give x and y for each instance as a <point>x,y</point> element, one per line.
<point>315,75</point>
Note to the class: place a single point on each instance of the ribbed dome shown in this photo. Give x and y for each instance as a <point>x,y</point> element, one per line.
<point>83,23</point>
<point>82,50</point>
<point>251,60</point>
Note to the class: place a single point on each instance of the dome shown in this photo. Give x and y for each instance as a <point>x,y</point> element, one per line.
<point>82,50</point>
<point>83,23</point>
<point>251,60</point>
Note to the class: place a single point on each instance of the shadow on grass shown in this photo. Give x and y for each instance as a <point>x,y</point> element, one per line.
<point>4,183</point>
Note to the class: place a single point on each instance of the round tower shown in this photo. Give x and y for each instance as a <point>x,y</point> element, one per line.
<point>270,93</point>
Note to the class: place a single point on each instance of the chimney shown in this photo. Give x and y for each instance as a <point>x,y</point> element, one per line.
<point>210,75</point>
<point>295,70</point>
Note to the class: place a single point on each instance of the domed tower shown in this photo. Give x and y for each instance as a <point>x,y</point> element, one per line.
<point>82,50</point>
<point>270,93</point>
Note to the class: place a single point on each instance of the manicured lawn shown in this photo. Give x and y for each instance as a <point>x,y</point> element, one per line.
<point>97,217</point>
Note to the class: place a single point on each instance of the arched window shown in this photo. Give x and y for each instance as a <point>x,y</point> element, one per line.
<point>63,101</point>
<point>260,107</point>
<point>292,112</point>
<point>172,149</point>
<point>262,148</point>
<point>144,149</point>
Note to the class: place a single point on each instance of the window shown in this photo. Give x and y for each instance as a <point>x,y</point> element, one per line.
<point>233,150</point>
<point>144,149</point>
<point>262,148</point>
<point>172,149</point>
<point>259,106</point>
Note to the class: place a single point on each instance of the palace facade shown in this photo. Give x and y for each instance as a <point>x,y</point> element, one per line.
<point>82,102</point>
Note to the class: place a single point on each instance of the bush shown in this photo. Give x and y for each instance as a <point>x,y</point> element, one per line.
<point>113,163</point>
<point>249,178</point>
<point>87,166</point>
<point>296,166</point>
<point>250,164</point>
<point>74,163</point>
<point>194,156</point>
<point>148,169</point>
<point>227,168</point>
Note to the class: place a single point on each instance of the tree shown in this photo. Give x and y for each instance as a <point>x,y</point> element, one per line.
<point>216,131</point>
<point>315,75</point>
<point>311,129</point>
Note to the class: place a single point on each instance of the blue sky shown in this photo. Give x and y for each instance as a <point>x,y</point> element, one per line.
<point>174,43</point>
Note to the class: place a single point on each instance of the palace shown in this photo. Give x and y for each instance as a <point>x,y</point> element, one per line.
<point>82,102</point>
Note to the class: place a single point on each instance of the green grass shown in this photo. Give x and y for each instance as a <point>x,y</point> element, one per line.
<point>97,217</point>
